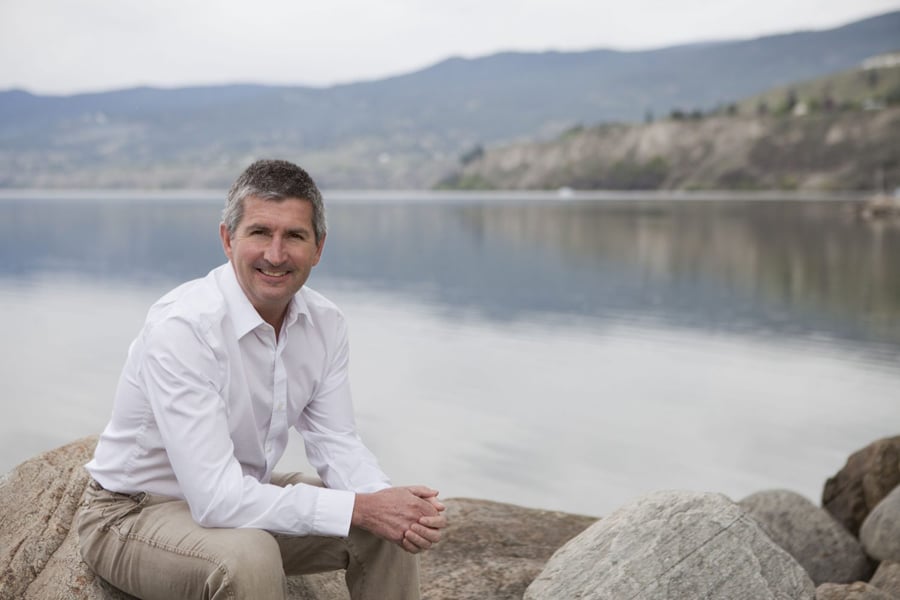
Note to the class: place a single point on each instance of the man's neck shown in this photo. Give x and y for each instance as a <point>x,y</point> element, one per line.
<point>276,321</point>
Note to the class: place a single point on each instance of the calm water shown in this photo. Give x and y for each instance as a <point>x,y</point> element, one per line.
<point>558,354</point>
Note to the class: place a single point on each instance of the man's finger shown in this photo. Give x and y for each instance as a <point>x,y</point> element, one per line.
<point>436,522</point>
<point>422,491</point>
<point>417,540</point>
<point>437,504</point>
<point>428,533</point>
<point>409,546</point>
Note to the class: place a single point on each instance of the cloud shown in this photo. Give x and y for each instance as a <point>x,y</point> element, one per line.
<point>60,47</point>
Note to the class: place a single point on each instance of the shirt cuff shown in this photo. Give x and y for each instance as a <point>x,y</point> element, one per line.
<point>373,487</point>
<point>334,510</point>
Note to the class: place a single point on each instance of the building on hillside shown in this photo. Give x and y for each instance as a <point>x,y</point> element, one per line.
<point>882,61</point>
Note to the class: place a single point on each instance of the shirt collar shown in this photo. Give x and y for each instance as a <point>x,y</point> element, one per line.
<point>296,308</point>
<point>242,312</point>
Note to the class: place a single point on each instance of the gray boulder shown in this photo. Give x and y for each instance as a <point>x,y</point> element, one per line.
<point>811,535</point>
<point>887,578</point>
<point>868,476</point>
<point>880,532</point>
<point>673,546</point>
<point>852,591</point>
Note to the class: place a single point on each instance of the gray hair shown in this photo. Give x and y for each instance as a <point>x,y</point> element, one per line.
<point>274,180</point>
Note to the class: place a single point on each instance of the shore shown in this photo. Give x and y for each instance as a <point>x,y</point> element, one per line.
<point>659,546</point>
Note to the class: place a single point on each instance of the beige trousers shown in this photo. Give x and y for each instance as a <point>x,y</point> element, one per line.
<point>150,547</point>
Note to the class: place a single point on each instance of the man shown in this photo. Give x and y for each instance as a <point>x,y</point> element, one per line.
<point>183,501</point>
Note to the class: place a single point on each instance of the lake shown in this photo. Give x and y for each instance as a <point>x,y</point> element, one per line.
<point>566,353</point>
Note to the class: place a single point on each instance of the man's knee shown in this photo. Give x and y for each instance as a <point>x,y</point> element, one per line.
<point>366,547</point>
<point>251,564</point>
<point>380,569</point>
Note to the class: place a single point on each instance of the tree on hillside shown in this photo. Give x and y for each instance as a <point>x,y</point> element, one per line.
<point>790,101</point>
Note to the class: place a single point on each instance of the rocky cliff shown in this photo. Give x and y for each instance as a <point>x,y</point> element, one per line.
<point>841,150</point>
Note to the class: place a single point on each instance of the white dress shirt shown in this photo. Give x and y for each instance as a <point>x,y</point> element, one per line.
<point>205,400</point>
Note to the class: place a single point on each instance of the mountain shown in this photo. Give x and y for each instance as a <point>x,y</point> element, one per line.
<point>404,131</point>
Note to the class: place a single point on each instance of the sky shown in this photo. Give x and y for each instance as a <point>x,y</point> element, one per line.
<point>64,47</point>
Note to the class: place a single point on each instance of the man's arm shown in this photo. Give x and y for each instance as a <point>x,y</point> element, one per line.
<point>411,517</point>
<point>328,426</point>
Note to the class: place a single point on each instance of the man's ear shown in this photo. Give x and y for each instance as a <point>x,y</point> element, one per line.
<point>319,247</point>
<point>226,239</point>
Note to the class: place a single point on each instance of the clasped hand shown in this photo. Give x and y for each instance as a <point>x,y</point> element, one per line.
<point>411,517</point>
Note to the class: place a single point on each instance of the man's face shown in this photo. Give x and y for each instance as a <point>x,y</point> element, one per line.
<point>273,251</point>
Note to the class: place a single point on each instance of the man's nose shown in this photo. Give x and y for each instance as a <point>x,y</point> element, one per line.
<point>275,251</point>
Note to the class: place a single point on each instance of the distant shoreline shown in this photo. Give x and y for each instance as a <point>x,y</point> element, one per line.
<point>563,195</point>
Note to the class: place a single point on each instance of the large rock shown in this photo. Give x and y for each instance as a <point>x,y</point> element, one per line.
<point>320,586</point>
<point>887,578</point>
<point>869,475</point>
<point>880,532</point>
<point>811,535</point>
<point>38,554</point>
<point>39,557</point>
<point>852,591</point>
<point>490,551</point>
<point>673,546</point>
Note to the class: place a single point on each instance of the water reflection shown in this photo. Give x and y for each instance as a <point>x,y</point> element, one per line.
<point>134,241</point>
<point>783,267</point>
<point>798,266</point>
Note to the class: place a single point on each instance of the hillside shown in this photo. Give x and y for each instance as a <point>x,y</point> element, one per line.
<point>399,132</point>
<point>874,84</point>
<point>835,133</point>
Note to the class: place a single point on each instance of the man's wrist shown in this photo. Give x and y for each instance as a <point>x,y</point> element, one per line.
<point>359,516</point>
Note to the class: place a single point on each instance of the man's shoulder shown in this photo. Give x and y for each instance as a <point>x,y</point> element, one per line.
<point>196,301</point>
<point>319,306</point>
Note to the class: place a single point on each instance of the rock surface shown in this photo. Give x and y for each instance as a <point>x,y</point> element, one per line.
<point>664,546</point>
<point>489,551</point>
<point>493,551</point>
<point>869,475</point>
<point>38,554</point>
<point>811,535</point>
<point>887,578</point>
<point>673,546</point>
<point>852,591</point>
<point>880,532</point>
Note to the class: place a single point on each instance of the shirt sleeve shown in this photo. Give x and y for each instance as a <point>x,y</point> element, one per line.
<point>180,375</point>
<point>328,427</point>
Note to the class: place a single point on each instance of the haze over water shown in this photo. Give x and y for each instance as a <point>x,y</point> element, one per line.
<point>551,353</point>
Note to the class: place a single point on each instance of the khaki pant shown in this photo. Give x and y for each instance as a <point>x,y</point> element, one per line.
<point>150,547</point>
